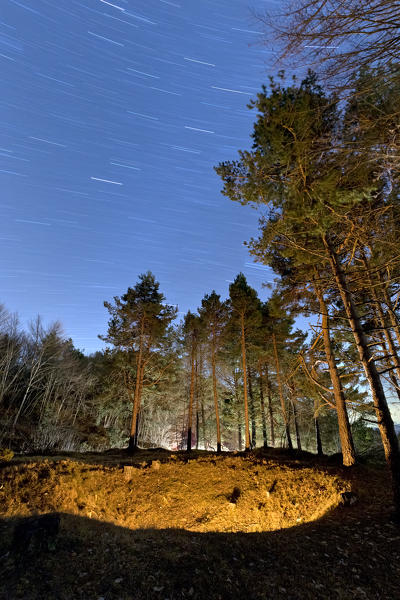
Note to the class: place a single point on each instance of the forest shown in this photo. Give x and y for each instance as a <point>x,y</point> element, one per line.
<point>238,373</point>
<point>191,382</point>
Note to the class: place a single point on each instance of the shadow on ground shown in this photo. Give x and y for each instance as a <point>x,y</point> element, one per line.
<point>341,556</point>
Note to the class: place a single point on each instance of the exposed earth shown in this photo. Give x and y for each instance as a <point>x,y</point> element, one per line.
<point>166,525</point>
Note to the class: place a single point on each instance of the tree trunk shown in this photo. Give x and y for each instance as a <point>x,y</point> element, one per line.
<point>281,397</point>
<point>214,376</point>
<point>196,395</point>
<point>33,375</point>
<point>262,405</point>
<point>132,447</point>
<point>239,433</point>
<point>252,411</point>
<point>270,408</point>
<point>384,418</point>
<point>203,417</point>
<point>318,437</point>
<point>346,438</point>
<point>296,423</point>
<point>239,414</point>
<point>246,406</point>
<point>190,411</point>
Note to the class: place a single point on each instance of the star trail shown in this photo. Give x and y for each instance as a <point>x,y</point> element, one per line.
<point>113,115</point>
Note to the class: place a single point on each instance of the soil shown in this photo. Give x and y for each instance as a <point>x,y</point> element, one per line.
<point>170,526</point>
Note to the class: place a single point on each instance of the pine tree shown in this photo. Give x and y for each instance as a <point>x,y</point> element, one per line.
<point>214,315</point>
<point>139,320</point>
<point>192,336</point>
<point>245,316</point>
<point>316,188</point>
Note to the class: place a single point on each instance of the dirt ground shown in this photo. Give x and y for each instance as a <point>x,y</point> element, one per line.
<point>170,525</point>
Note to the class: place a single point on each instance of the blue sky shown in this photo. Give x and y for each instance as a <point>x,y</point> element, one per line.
<point>113,115</point>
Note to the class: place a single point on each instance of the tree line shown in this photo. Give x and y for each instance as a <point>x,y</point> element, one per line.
<point>233,375</point>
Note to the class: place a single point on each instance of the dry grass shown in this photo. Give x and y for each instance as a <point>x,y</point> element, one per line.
<point>197,495</point>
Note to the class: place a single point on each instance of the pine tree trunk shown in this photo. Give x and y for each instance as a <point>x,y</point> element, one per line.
<point>196,395</point>
<point>270,408</point>
<point>132,447</point>
<point>296,423</point>
<point>203,417</point>
<point>246,406</point>
<point>346,438</point>
<point>190,411</point>
<point>318,440</point>
<point>262,405</point>
<point>281,397</point>
<point>384,418</point>
<point>214,376</point>
<point>318,437</point>
<point>239,414</point>
<point>240,435</point>
<point>252,411</point>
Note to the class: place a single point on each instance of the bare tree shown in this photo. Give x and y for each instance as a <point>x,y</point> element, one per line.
<point>341,36</point>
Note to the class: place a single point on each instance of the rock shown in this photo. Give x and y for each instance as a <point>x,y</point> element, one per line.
<point>155,465</point>
<point>128,472</point>
<point>233,498</point>
<point>272,488</point>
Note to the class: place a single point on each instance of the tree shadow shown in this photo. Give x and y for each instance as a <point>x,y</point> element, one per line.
<point>343,555</point>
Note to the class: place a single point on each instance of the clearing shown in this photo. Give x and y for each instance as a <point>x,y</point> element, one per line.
<point>169,525</point>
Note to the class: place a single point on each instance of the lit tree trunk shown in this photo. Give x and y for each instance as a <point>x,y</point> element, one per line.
<point>138,419</point>
<point>281,397</point>
<point>270,408</point>
<point>252,411</point>
<point>136,399</point>
<point>136,438</point>
<point>246,406</point>
<point>196,394</point>
<point>346,438</point>
<point>262,404</point>
<point>190,411</point>
<point>214,376</point>
<point>384,418</point>
<point>203,417</point>
<point>239,413</point>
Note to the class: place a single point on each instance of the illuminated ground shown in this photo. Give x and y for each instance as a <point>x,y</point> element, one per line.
<point>163,527</point>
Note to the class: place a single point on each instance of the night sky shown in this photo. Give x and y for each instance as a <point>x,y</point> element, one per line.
<point>113,115</point>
